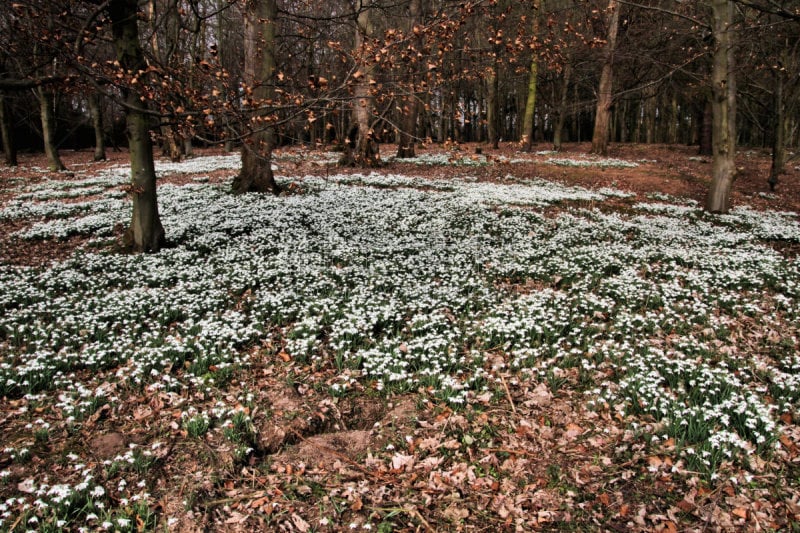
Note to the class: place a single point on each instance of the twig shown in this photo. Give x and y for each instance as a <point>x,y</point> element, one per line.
<point>415,512</point>
<point>511,451</point>
<point>225,501</point>
<point>508,394</point>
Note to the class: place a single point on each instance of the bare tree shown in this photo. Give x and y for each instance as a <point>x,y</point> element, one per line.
<point>410,103</point>
<point>604,90</point>
<point>96,112</point>
<point>362,148</point>
<point>259,78</point>
<point>723,103</point>
<point>145,234</point>
<point>533,76</point>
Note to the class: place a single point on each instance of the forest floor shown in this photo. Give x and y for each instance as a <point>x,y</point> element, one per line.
<point>462,342</point>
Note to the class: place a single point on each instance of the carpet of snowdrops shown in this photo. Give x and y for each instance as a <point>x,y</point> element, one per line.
<point>677,320</point>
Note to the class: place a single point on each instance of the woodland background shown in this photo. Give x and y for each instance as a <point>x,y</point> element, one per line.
<point>356,73</point>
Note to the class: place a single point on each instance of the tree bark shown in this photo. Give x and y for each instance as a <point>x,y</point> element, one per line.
<point>146,234</point>
<point>9,148</point>
<point>650,115</point>
<point>259,58</point>
<point>723,106</point>
<point>675,120</point>
<point>604,94</point>
<point>533,75</point>
<point>410,106</point>
<point>46,104</point>
<point>779,133</point>
<point>97,123</point>
<point>363,150</point>
<point>493,104</point>
<point>779,139</point>
<point>706,130</point>
<point>188,146</point>
<point>558,130</point>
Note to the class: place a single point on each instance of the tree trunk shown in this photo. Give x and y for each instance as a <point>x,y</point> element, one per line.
<point>612,127</point>
<point>604,94</point>
<point>530,107</point>
<point>675,120</point>
<point>410,106</point>
<point>9,148</point>
<point>259,58</point>
<point>622,125</point>
<point>723,104</point>
<point>533,75</point>
<point>779,132</point>
<point>493,105</point>
<point>363,150</point>
<point>97,123</point>
<point>145,233</point>
<point>558,130</point>
<point>706,130</point>
<point>406,141</point>
<point>650,115</point>
<point>46,104</point>
<point>169,144</point>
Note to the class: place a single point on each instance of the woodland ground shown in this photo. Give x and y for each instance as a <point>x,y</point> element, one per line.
<point>508,342</point>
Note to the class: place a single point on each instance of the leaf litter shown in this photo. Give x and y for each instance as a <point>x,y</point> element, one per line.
<point>275,436</point>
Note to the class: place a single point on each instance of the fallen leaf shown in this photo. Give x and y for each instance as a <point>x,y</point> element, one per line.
<point>686,506</point>
<point>258,502</point>
<point>573,431</point>
<point>455,513</point>
<point>401,461</point>
<point>452,444</point>
<point>357,504</point>
<point>28,486</point>
<point>654,462</point>
<point>540,396</point>
<point>741,512</point>
<point>669,527</point>
<point>788,444</point>
<point>142,412</point>
<point>300,524</point>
